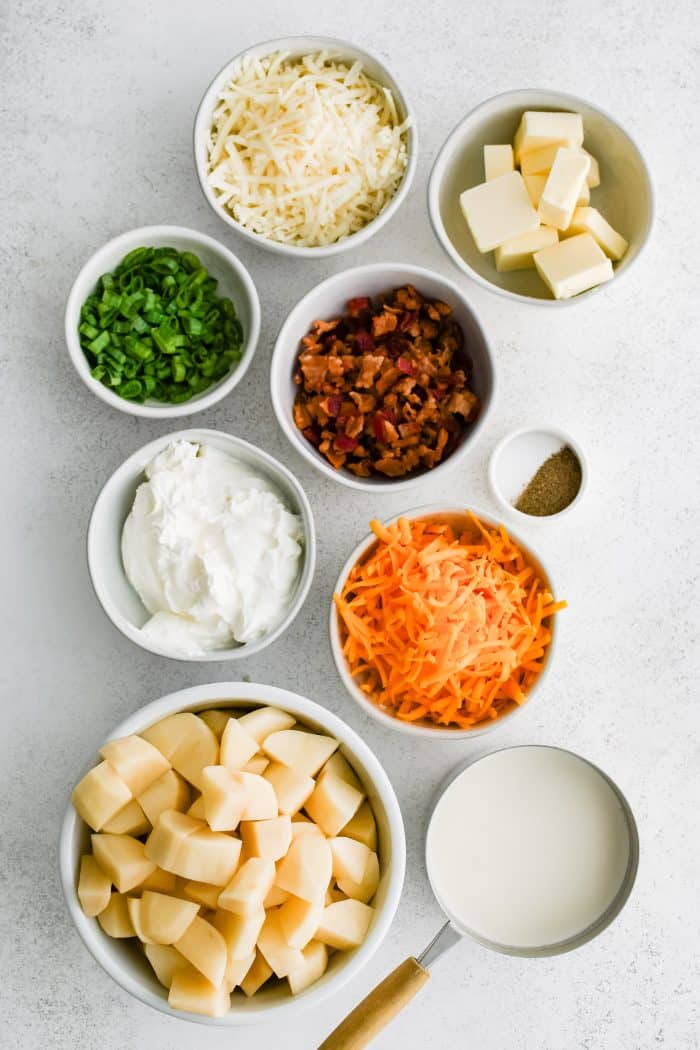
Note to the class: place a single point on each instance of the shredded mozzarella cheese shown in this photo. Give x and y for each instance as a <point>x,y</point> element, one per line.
<point>305,151</point>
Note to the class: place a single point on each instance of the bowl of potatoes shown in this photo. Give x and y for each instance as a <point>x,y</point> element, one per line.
<point>234,853</point>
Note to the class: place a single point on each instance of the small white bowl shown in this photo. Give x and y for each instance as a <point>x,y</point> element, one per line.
<point>235,283</point>
<point>517,458</point>
<point>625,196</point>
<point>297,46</point>
<point>425,729</point>
<point>115,594</point>
<point>329,299</point>
<point>128,967</point>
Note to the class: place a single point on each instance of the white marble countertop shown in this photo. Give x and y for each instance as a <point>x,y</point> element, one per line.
<point>97,106</point>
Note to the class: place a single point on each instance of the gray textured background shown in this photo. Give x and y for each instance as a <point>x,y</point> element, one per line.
<point>97,104</point>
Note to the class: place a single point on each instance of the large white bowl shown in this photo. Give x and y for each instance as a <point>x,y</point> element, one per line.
<point>235,283</point>
<point>328,300</point>
<point>424,728</point>
<point>297,46</point>
<point>123,962</point>
<point>625,195</point>
<point>114,592</point>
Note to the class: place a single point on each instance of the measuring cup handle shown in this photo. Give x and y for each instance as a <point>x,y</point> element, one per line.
<point>378,1008</point>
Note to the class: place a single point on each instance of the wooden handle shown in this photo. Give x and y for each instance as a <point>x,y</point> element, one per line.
<point>378,1008</point>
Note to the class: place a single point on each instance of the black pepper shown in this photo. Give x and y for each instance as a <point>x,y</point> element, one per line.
<point>553,487</point>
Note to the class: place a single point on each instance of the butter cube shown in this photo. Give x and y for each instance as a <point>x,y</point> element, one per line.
<point>584,196</point>
<point>563,187</point>
<point>498,160</point>
<point>539,129</point>
<point>498,210</point>
<point>593,177</point>
<point>573,266</point>
<point>540,161</point>
<point>534,184</point>
<point>518,253</point>
<point>589,220</point>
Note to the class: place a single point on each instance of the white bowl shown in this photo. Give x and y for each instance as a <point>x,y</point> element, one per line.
<point>518,457</point>
<point>124,963</point>
<point>298,46</point>
<point>114,592</point>
<point>328,300</point>
<point>426,729</point>
<point>625,195</point>
<point>235,283</point>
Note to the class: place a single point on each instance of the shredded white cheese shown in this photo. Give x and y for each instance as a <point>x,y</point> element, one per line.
<point>305,151</point>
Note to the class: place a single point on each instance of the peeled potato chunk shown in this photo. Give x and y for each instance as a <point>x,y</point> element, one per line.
<point>350,858</point>
<point>191,991</point>
<point>362,827</point>
<point>123,859</point>
<point>208,856</point>
<point>100,795</point>
<point>204,893</point>
<point>166,961</point>
<point>134,906</point>
<point>261,800</point>
<point>305,827</point>
<point>187,742</point>
<point>169,832</point>
<point>333,803</point>
<point>248,888</point>
<point>267,838</point>
<point>265,720</point>
<point>165,919</point>
<point>315,961</point>
<point>237,746</point>
<point>224,798</point>
<point>258,973</point>
<point>204,947</point>
<point>257,764</point>
<point>169,791</point>
<point>136,761</point>
<point>340,767</point>
<point>216,720</point>
<point>301,751</point>
<point>171,732</point>
<point>115,920</point>
<point>94,887</point>
<point>130,820</point>
<point>306,870</point>
<point>344,924</point>
<point>291,788</point>
<point>239,931</point>
<point>275,949</point>
<point>236,969</point>
<point>275,897</point>
<point>159,880</point>
<point>197,809</point>
<point>299,920</point>
<point>364,889</point>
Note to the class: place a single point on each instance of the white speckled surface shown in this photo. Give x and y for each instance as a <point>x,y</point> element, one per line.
<point>97,106</point>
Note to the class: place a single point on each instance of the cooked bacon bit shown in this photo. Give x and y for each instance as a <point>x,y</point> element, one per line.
<point>378,390</point>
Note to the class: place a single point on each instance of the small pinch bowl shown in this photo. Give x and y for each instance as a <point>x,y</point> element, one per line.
<point>114,592</point>
<point>129,968</point>
<point>329,299</point>
<point>625,196</point>
<point>425,729</point>
<point>235,283</point>
<point>516,459</point>
<point>297,46</point>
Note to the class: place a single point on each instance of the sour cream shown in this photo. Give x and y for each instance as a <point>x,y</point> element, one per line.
<point>211,549</point>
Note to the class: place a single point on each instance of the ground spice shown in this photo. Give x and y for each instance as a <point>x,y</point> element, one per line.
<point>553,487</point>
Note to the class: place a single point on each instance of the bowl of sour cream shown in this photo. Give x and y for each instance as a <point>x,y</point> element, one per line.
<point>201,547</point>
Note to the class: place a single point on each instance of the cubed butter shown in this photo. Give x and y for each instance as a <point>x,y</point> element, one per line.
<point>593,177</point>
<point>589,220</point>
<point>498,160</point>
<point>540,161</point>
<point>534,184</point>
<point>498,210</point>
<point>563,187</point>
<point>584,196</point>
<point>517,254</point>
<point>539,129</point>
<point>573,266</point>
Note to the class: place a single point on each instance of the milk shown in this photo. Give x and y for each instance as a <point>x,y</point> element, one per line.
<point>528,847</point>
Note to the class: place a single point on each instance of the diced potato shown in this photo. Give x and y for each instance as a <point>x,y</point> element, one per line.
<point>334,894</point>
<point>265,720</point>
<point>159,881</point>
<point>248,888</point>
<point>258,973</point>
<point>305,827</point>
<point>257,764</point>
<point>172,732</point>
<point>204,947</point>
<point>208,856</point>
<point>94,887</point>
<point>115,920</point>
<point>192,992</point>
<point>333,803</point>
<point>197,809</point>
<point>123,859</point>
<point>239,931</point>
<point>169,832</point>
<point>130,820</point>
<point>170,791</point>
<point>267,838</point>
<point>366,887</point>
<point>275,897</point>
<point>315,956</point>
<point>134,906</point>
<point>187,742</point>
<point>339,765</point>
<point>261,801</point>
<point>344,924</point>
<point>299,920</point>
<point>362,827</point>
<point>236,969</point>
<point>237,746</point>
<point>100,795</point>
<point>350,858</point>
<point>204,893</point>
<point>224,798</point>
<point>303,752</point>
<point>275,949</point>
<point>291,788</point>
<point>136,761</point>
<point>306,870</point>
<point>165,919</point>
<point>216,720</point>
<point>166,961</point>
